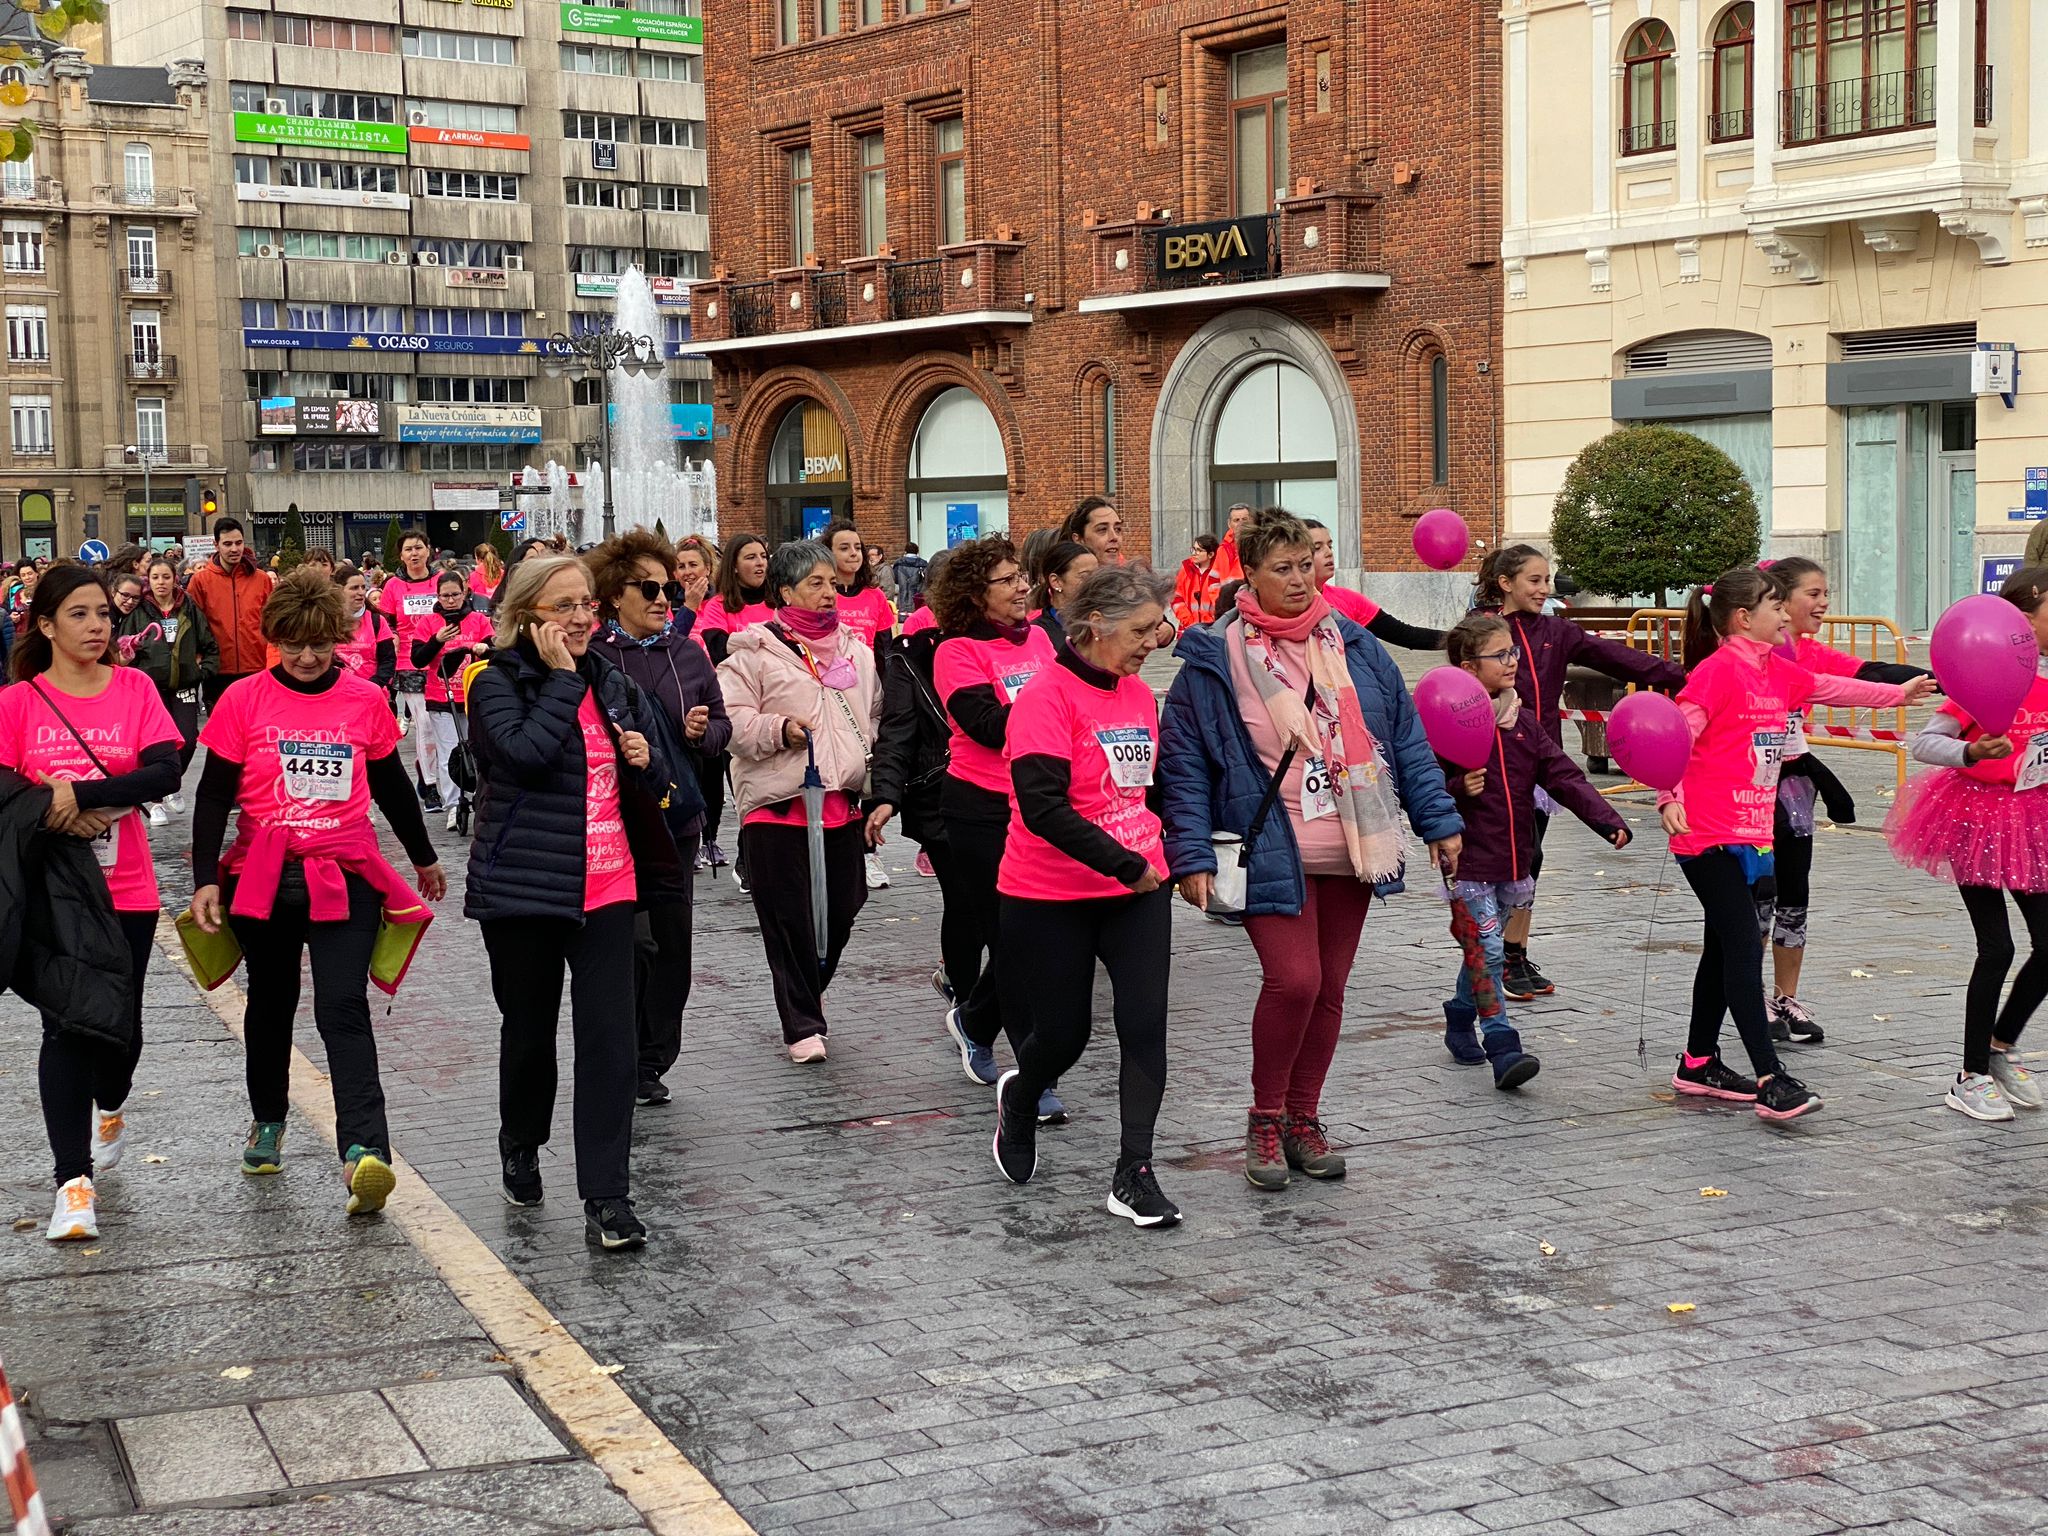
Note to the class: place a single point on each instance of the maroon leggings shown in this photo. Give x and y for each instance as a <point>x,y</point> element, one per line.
<point>1307,959</point>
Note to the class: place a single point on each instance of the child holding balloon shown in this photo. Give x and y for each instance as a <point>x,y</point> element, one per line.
<point>1718,812</point>
<point>1980,820</point>
<point>1494,788</point>
<point>1516,581</point>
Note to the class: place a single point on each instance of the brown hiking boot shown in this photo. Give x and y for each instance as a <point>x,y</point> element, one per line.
<point>1265,1162</point>
<point>1308,1148</point>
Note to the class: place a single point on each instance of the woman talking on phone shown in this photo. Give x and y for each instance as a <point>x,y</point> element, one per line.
<point>566,832</point>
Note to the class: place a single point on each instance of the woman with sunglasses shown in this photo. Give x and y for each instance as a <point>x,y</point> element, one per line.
<point>645,635</point>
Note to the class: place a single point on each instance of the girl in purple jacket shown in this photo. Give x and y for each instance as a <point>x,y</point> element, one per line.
<point>1497,871</point>
<point>1516,581</point>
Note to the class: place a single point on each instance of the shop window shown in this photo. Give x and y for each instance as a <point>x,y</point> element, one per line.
<point>1649,98</point>
<point>810,477</point>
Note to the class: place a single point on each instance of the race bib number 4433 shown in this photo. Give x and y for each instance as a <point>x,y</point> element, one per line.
<point>317,770</point>
<point>1129,750</point>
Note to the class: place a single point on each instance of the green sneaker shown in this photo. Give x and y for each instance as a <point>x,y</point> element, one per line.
<point>370,1180</point>
<point>265,1151</point>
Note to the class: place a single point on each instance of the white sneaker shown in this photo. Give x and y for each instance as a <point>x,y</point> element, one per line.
<point>158,816</point>
<point>175,804</point>
<point>878,877</point>
<point>1977,1096</point>
<point>77,1216</point>
<point>109,1141</point>
<point>2014,1080</point>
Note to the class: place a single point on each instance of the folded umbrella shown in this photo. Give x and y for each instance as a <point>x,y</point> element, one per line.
<point>814,830</point>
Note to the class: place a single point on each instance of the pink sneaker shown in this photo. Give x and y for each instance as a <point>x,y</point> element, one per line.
<point>807,1050</point>
<point>924,865</point>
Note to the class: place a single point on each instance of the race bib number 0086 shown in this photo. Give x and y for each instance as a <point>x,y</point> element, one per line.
<point>1129,750</point>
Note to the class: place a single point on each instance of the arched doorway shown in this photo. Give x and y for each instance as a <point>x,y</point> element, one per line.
<point>958,482</point>
<point>1275,446</point>
<point>1287,369</point>
<point>809,479</point>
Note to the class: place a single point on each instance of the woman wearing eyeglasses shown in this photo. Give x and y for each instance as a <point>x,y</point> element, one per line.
<point>1285,673</point>
<point>646,635</point>
<point>568,838</point>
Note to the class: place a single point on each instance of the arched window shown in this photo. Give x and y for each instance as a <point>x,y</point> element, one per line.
<point>1276,445</point>
<point>959,477</point>
<point>1649,97</point>
<point>1734,74</point>
<point>138,173</point>
<point>1439,420</point>
<point>810,481</point>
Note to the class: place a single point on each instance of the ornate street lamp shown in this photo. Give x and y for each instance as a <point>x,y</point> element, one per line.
<point>599,352</point>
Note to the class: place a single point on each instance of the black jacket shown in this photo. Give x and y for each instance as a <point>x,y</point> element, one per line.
<point>173,665</point>
<point>528,857</point>
<point>673,672</point>
<point>914,747</point>
<point>60,945</point>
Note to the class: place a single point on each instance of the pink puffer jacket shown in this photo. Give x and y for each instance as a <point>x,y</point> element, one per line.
<point>766,683</point>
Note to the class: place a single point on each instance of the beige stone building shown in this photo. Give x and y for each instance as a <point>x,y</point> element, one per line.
<point>411,196</point>
<point>109,308</point>
<point>1789,228</point>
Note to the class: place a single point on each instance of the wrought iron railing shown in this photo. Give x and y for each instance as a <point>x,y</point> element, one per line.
<point>1647,138</point>
<point>917,289</point>
<point>1729,127</point>
<point>828,298</point>
<point>1845,109</point>
<point>146,280</point>
<point>152,365</point>
<point>751,307</point>
<point>1984,83</point>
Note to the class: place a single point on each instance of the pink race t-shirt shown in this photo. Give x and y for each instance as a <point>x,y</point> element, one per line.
<point>608,861</point>
<point>358,653</point>
<point>1730,790</point>
<point>481,584</point>
<point>1111,740</point>
<point>968,661</point>
<point>717,617</point>
<point>119,722</point>
<point>2025,767</point>
<point>404,602</point>
<point>1355,606</point>
<point>921,618</point>
<point>472,628</point>
<point>867,613</point>
<point>1829,662</point>
<point>305,756</point>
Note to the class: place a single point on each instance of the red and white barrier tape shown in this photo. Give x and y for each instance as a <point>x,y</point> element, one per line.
<point>1813,727</point>
<point>24,1502</point>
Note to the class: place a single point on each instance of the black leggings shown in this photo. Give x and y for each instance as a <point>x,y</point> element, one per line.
<point>1792,856</point>
<point>1133,937</point>
<point>340,956</point>
<point>711,781</point>
<point>185,716</point>
<point>1542,820</point>
<point>1730,975</point>
<point>1983,1019</point>
<point>661,974</point>
<point>974,855</point>
<point>75,1073</point>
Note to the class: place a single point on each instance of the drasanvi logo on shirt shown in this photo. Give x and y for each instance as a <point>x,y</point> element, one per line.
<point>271,735</point>
<point>98,735</point>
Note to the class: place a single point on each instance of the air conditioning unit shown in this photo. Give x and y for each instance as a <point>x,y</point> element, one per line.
<point>270,250</point>
<point>397,259</point>
<point>515,263</point>
<point>428,259</point>
<point>417,118</point>
<point>275,106</point>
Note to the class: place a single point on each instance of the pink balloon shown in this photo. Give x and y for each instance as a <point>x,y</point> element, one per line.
<point>1648,736</point>
<point>1457,716</point>
<point>1985,654</point>
<point>1441,538</point>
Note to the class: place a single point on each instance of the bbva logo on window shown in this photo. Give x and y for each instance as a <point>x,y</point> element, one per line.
<point>825,467</point>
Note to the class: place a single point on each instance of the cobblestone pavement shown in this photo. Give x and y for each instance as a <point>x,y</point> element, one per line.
<point>851,1324</point>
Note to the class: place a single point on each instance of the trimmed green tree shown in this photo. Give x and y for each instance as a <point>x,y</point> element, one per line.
<point>291,549</point>
<point>1653,510</point>
<point>393,536</point>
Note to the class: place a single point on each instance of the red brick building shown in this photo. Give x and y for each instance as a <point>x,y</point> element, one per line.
<point>976,261</point>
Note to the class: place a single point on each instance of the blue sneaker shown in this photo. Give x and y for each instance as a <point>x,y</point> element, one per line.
<point>977,1061</point>
<point>1050,1110</point>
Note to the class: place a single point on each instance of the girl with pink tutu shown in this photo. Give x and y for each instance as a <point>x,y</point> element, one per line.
<point>1737,700</point>
<point>1979,821</point>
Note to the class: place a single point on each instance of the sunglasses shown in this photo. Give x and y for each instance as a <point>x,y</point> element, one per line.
<point>651,590</point>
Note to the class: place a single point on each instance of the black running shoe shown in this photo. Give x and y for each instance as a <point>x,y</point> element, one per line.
<point>1539,983</point>
<point>430,799</point>
<point>650,1093</point>
<point>1784,1097</point>
<point>1515,980</point>
<point>611,1224</point>
<point>1714,1079</point>
<point>1016,1143</point>
<point>521,1166</point>
<point>1136,1196</point>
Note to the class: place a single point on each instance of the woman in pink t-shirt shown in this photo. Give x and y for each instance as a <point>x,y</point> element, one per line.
<point>297,753</point>
<point>802,690</point>
<point>1083,877</point>
<point>444,640</point>
<point>1737,699</point>
<point>100,738</point>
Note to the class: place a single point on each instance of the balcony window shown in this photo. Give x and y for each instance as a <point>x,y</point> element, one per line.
<point>801,244</point>
<point>874,194</point>
<point>1649,95</point>
<point>29,419</point>
<point>949,145</point>
<point>1734,74</point>
<point>1860,66</point>
<point>21,245</point>
<point>1258,129</point>
<point>150,431</point>
<point>138,174</point>
<point>28,333</point>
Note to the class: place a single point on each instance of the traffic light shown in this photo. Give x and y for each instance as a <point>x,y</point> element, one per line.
<point>209,504</point>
